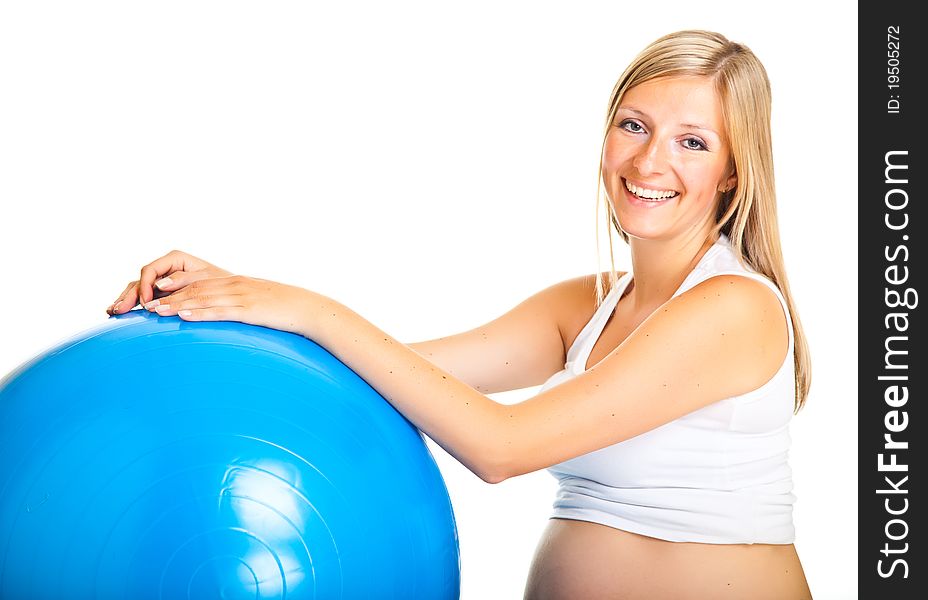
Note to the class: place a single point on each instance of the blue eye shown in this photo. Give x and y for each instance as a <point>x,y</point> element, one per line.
<point>631,126</point>
<point>694,144</point>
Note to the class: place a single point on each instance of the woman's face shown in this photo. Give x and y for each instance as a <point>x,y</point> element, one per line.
<point>666,157</point>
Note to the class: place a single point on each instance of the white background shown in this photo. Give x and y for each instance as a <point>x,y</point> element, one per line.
<point>430,167</point>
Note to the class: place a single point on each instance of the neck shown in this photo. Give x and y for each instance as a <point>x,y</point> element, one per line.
<point>660,266</point>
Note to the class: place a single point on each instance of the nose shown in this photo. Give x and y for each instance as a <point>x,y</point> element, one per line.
<point>651,158</point>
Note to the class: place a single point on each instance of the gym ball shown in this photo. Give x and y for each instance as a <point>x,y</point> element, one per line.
<point>150,457</point>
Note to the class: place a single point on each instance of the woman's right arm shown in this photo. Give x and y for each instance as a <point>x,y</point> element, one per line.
<point>519,349</point>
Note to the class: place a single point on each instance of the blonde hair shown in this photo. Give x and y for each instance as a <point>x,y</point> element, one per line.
<point>747,213</point>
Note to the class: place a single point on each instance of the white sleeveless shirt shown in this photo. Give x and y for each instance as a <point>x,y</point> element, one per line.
<point>718,475</point>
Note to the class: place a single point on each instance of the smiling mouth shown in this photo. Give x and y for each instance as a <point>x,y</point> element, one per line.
<point>649,195</point>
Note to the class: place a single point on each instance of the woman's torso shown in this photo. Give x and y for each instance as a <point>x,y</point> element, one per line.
<point>583,559</point>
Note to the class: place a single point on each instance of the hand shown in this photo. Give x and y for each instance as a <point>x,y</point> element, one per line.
<point>238,298</point>
<point>180,270</point>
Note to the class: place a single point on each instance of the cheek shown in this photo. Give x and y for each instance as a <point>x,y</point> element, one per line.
<point>700,178</point>
<point>614,154</point>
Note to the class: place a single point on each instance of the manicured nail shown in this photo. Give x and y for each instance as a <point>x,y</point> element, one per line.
<point>115,306</point>
<point>162,283</point>
<point>184,313</point>
<point>152,304</point>
<point>162,307</point>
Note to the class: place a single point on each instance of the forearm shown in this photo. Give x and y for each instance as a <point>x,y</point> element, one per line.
<point>456,416</point>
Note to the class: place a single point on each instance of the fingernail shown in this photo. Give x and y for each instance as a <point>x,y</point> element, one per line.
<point>152,304</point>
<point>115,306</point>
<point>162,283</point>
<point>161,308</point>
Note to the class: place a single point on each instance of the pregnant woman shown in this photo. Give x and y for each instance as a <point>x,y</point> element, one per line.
<point>668,388</point>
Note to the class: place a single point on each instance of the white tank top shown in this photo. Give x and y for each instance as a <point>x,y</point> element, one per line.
<point>718,475</point>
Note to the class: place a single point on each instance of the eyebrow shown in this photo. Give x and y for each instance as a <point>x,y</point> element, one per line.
<point>687,125</point>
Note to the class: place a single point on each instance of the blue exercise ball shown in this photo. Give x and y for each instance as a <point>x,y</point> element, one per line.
<point>151,457</point>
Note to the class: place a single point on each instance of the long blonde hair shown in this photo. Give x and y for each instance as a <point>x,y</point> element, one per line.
<point>747,214</point>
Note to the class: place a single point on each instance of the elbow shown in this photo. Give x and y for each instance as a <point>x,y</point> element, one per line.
<point>493,451</point>
<point>493,477</point>
<point>495,470</point>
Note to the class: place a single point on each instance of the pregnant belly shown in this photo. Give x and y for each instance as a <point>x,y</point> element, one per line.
<point>578,559</point>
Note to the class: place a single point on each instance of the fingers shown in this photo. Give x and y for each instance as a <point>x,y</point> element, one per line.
<point>174,260</point>
<point>181,279</point>
<point>129,298</point>
<point>126,300</point>
<point>170,273</point>
<point>219,296</point>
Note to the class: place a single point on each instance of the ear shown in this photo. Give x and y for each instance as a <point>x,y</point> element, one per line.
<point>729,183</point>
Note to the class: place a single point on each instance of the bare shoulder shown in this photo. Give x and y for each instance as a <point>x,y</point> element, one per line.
<point>575,304</point>
<point>746,294</point>
<point>755,309</point>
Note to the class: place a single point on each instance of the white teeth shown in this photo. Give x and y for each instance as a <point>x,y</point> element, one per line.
<point>648,194</point>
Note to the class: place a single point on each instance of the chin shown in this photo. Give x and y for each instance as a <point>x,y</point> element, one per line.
<point>643,231</point>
